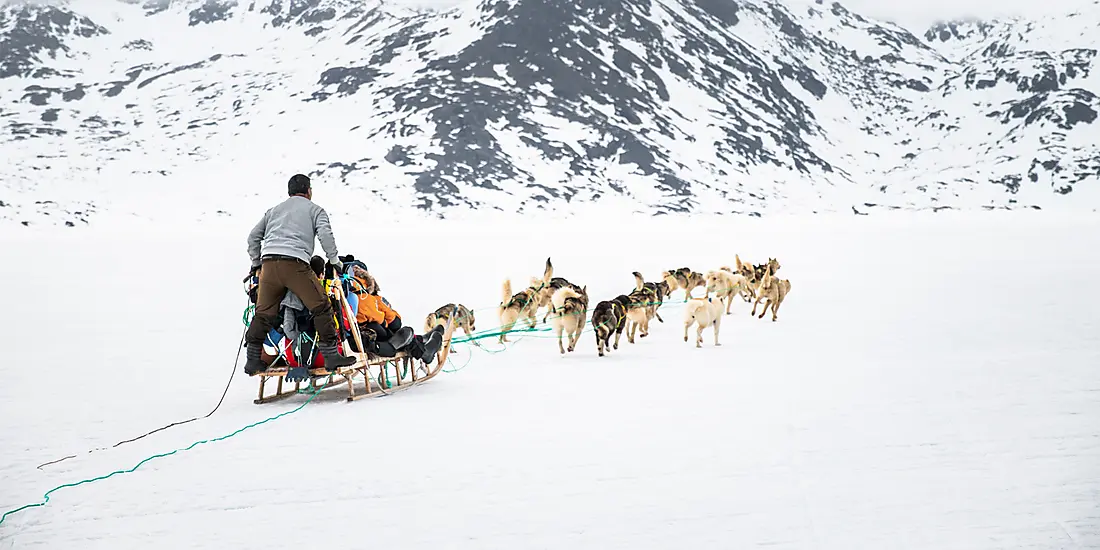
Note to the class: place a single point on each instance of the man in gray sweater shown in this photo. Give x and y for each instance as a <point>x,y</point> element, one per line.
<point>280,247</point>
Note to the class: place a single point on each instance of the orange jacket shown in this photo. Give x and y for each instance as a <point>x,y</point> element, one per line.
<point>372,308</point>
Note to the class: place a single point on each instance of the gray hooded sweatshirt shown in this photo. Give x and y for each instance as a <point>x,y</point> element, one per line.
<point>291,305</point>
<point>291,228</point>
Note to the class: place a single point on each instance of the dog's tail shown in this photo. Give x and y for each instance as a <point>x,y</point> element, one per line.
<point>639,281</point>
<point>726,268</point>
<point>548,272</point>
<point>601,324</point>
<point>557,301</point>
<point>737,260</point>
<point>506,293</point>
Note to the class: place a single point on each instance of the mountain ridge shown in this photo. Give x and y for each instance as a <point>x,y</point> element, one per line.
<point>658,106</point>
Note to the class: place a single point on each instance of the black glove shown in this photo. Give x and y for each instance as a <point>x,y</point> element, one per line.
<point>251,273</point>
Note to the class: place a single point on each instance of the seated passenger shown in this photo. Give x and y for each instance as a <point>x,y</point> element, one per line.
<point>380,325</point>
<point>374,311</point>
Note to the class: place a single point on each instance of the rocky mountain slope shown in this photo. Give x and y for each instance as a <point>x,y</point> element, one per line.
<point>655,106</point>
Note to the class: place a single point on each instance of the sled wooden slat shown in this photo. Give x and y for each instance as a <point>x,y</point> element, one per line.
<point>381,386</point>
<point>281,394</point>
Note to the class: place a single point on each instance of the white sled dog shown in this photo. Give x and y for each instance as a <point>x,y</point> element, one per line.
<point>725,285</point>
<point>704,312</point>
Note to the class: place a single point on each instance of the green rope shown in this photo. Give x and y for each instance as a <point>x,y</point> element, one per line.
<point>46,496</point>
<point>489,333</point>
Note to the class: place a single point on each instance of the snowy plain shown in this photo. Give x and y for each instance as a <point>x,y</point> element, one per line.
<point>932,382</point>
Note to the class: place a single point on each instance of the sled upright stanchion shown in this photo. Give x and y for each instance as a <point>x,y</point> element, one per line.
<point>402,363</point>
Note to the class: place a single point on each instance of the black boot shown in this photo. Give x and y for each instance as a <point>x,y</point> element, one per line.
<point>333,359</point>
<point>401,338</point>
<point>255,363</point>
<point>433,341</point>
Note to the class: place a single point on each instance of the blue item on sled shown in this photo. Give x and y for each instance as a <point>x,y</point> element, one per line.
<point>297,374</point>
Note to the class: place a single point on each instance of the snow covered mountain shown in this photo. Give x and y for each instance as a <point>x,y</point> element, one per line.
<point>655,106</point>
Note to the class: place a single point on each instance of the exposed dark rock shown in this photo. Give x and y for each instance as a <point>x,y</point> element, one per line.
<point>211,11</point>
<point>34,31</point>
<point>188,67</point>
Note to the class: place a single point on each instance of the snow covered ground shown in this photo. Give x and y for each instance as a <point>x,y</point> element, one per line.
<point>932,382</point>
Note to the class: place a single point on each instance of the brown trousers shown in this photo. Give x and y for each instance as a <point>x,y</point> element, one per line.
<point>277,275</point>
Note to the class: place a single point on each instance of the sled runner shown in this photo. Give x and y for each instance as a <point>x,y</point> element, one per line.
<point>406,373</point>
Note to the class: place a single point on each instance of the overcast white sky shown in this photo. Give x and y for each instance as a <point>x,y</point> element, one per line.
<point>923,13</point>
<point>917,15</point>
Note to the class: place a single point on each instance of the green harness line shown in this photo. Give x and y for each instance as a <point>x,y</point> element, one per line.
<point>489,333</point>
<point>46,496</point>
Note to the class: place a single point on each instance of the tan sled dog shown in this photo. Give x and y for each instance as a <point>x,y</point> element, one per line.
<point>570,310</point>
<point>725,285</point>
<point>513,307</point>
<point>773,289</point>
<point>703,312</point>
<point>550,285</point>
<point>464,319</point>
<point>753,273</point>
<point>684,279</point>
<point>658,290</point>
<point>641,306</point>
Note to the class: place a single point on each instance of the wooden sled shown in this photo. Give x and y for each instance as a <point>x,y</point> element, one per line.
<point>407,372</point>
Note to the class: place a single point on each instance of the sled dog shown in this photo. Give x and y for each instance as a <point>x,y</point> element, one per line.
<point>464,319</point>
<point>570,310</point>
<point>725,285</point>
<point>551,284</point>
<point>683,278</point>
<point>660,291</point>
<point>753,273</point>
<point>774,290</point>
<point>703,312</point>
<point>608,318</point>
<point>639,310</point>
<point>514,307</point>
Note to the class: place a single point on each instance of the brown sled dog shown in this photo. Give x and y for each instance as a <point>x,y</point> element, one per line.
<point>660,291</point>
<point>683,278</point>
<point>609,317</point>
<point>513,307</point>
<point>570,310</point>
<point>464,319</point>
<point>551,284</point>
<point>774,290</point>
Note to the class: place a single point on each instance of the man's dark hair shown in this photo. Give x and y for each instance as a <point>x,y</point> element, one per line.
<point>298,185</point>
